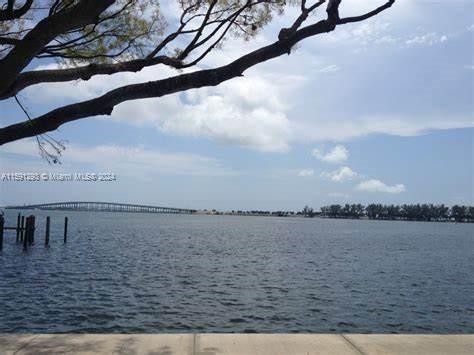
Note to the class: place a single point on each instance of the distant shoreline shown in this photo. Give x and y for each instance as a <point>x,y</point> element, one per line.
<point>376,212</point>
<point>326,217</point>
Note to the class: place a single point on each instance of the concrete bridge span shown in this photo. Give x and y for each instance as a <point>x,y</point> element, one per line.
<point>97,206</point>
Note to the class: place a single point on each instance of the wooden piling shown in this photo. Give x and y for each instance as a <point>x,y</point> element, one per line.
<point>18,225</point>
<point>32,230</point>
<point>29,236</point>
<point>22,231</point>
<point>2,223</point>
<point>46,236</point>
<point>65,229</point>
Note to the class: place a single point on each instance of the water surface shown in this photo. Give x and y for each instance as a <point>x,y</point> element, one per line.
<point>151,273</point>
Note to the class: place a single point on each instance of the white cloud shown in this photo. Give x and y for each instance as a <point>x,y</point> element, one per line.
<point>266,110</point>
<point>340,175</point>
<point>136,161</point>
<point>249,112</point>
<point>333,68</point>
<point>374,185</point>
<point>426,39</point>
<point>336,155</point>
<point>320,130</point>
<point>362,34</point>
<point>386,39</point>
<point>365,34</point>
<point>306,173</point>
<point>338,195</point>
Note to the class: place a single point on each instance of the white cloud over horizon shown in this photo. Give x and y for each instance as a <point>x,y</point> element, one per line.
<point>137,161</point>
<point>306,172</point>
<point>250,112</point>
<point>342,174</point>
<point>426,39</point>
<point>375,185</point>
<point>343,130</point>
<point>266,109</point>
<point>336,155</point>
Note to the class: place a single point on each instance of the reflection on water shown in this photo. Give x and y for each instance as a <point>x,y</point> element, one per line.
<point>167,273</point>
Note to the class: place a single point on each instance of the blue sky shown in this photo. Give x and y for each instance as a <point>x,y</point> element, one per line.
<point>380,111</point>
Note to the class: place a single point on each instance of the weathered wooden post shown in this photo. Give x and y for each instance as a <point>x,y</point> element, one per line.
<point>46,237</point>
<point>2,223</point>
<point>65,229</point>
<point>22,231</point>
<point>32,232</point>
<point>18,219</point>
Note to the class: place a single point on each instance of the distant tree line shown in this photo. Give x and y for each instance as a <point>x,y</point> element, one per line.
<point>257,213</point>
<point>265,213</point>
<point>415,212</point>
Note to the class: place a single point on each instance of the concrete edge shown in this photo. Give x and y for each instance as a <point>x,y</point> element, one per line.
<point>237,344</point>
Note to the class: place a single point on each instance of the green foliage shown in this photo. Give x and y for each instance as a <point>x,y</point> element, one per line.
<point>131,29</point>
<point>307,212</point>
<point>127,30</point>
<point>416,212</point>
<point>256,13</point>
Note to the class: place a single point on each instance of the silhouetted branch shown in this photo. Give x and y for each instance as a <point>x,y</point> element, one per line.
<point>10,13</point>
<point>12,82</point>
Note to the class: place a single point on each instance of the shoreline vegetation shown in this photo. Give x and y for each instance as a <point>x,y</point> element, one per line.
<point>405,212</point>
<point>373,211</point>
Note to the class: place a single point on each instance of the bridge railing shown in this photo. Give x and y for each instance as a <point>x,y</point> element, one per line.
<point>103,207</point>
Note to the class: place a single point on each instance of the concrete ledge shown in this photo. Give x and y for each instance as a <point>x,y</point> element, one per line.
<point>235,344</point>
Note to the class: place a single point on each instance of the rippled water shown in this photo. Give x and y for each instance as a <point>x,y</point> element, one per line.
<point>169,273</point>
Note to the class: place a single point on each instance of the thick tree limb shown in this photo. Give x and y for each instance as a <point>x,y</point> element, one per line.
<point>9,41</point>
<point>26,79</point>
<point>105,104</point>
<point>85,12</point>
<point>10,13</point>
<point>285,32</point>
<point>84,73</point>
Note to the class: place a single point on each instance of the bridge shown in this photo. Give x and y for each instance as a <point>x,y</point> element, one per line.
<point>102,207</point>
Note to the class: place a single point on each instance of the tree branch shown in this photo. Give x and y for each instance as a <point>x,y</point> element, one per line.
<point>84,73</point>
<point>285,32</point>
<point>60,75</point>
<point>104,105</point>
<point>9,41</point>
<point>85,12</point>
<point>11,14</point>
<point>367,15</point>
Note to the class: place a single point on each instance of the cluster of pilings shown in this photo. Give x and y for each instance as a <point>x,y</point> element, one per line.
<point>25,230</point>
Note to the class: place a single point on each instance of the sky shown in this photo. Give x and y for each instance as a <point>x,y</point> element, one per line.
<point>378,111</point>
